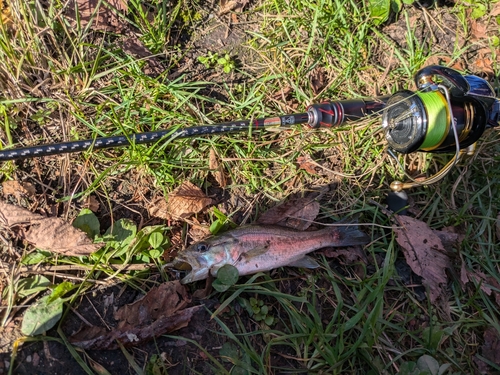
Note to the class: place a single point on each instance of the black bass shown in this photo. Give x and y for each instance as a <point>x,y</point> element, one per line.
<point>256,248</point>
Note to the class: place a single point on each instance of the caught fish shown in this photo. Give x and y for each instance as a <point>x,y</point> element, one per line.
<point>255,248</point>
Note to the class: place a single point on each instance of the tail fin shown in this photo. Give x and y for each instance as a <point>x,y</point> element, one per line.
<point>351,235</point>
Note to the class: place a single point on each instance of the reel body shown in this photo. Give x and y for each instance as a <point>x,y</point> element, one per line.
<point>426,120</point>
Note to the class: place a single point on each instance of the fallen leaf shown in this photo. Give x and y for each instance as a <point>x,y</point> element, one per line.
<point>295,213</point>
<point>449,237</point>
<point>318,79</point>
<point>307,163</point>
<point>103,15</point>
<point>47,233</point>
<point>232,6</point>
<point>55,235</point>
<point>92,203</point>
<point>134,47</point>
<point>217,169</point>
<point>28,188</point>
<point>162,300</point>
<point>160,311</point>
<point>495,11</point>
<point>183,202</point>
<point>443,60</point>
<point>488,284</point>
<point>11,215</point>
<point>348,257</point>
<point>12,187</point>
<point>478,29</point>
<point>489,350</point>
<point>424,252</point>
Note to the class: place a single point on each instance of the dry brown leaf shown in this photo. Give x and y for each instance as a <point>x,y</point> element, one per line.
<point>11,215</point>
<point>17,189</point>
<point>104,15</point>
<point>488,284</point>
<point>47,233</point>
<point>443,60</point>
<point>183,202</point>
<point>307,163</point>
<point>495,11</point>
<point>28,189</point>
<point>478,29</point>
<point>349,257</point>
<point>232,6</point>
<point>489,350</point>
<point>296,213</point>
<point>55,235</point>
<point>92,203</point>
<point>160,311</point>
<point>424,252</point>
<point>318,79</point>
<point>217,169</point>
<point>134,47</point>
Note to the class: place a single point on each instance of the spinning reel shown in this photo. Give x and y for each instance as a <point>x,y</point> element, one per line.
<point>448,112</point>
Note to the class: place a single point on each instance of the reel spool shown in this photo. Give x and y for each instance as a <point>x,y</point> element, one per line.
<point>449,112</point>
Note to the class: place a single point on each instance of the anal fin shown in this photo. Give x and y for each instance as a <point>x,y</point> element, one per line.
<point>305,262</point>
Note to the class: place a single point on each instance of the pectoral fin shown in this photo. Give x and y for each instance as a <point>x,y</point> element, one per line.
<point>305,262</point>
<point>255,252</point>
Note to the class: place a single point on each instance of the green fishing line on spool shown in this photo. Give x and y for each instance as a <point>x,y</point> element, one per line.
<point>438,122</point>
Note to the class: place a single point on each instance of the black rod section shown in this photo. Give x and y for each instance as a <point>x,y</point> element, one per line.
<point>152,137</point>
<point>327,114</point>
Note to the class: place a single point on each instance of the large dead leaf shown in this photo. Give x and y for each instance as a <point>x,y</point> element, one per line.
<point>47,233</point>
<point>424,252</point>
<point>160,311</point>
<point>182,203</point>
<point>104,15</point>
<point>296,213</point>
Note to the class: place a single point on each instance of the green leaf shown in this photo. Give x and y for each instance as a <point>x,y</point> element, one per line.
<point>155,253</point>
<point>478,11</point>
<point>123,231</point>
<point>219,286</point>
<point>32,285</point>
<point>60,290</point>
<point>41,316</point>
<point>269,320</point>
<point>216,226</point>
<point>379,10</point>
<point>155,239</point>
<point>428,363</point>
<point>443,368</point>
<point>408,2</point>
<point>228,274</point>
<point>354,320</point>
<point>36,257</point>
<point>229,352</point>
<point>409,368</point>
<point>88,222</point>
<point>396,6</point>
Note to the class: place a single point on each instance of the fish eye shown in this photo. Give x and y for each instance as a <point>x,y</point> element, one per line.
<point>202,247</point>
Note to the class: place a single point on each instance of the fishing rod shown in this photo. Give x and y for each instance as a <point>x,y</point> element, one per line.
<point>448,112</point>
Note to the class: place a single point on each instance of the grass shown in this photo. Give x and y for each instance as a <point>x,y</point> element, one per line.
<point>61,82</point>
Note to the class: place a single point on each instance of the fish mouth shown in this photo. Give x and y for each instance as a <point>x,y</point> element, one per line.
<point>191,268</point>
